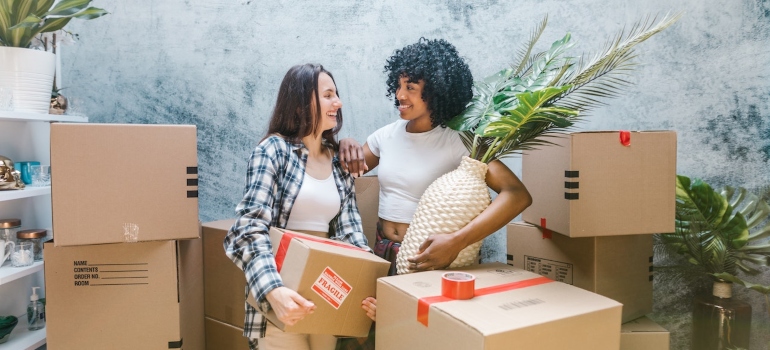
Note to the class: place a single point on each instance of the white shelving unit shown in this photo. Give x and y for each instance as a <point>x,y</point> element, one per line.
<point>26,137</point>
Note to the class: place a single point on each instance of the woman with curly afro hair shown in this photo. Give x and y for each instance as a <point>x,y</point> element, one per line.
<point>430,84</point>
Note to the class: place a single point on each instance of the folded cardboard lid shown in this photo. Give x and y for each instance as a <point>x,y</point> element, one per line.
<point>642,325</point>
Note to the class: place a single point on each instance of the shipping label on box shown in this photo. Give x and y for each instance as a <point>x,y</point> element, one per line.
<point>617,267</point>
<point>138,296</point>
<point>334,275</point>
<point>643,334</point>
<point>594,184</point>
<point>510,306</point>
<point>117,183</point>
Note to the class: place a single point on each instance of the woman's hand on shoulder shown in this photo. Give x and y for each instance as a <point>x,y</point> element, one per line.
<point>289,306</point>
<point>370,306</point>
<point>352,157</point>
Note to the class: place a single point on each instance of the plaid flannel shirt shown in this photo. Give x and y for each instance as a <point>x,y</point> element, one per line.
<point>275,172</point>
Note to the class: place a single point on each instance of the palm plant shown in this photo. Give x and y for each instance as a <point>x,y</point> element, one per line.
<point>547,92</point>
<point>22,20</point>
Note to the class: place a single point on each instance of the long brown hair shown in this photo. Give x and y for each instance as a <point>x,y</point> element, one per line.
<point>294,117</point>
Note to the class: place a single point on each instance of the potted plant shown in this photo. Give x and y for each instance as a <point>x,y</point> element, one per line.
<point>514,110</point>
<point>26,73</point>
<point>720,234</point>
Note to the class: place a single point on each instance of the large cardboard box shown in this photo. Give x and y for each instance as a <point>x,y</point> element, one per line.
<point>222,336</point>
<point>643,334</point>
<point>334,275</point>
<point>591,184</point>
<point>224,283</point>
<point>547,316</point>
<point>115,183</point>
<point>368,200</point>
<point>618,267</point>
<point>125,296</point>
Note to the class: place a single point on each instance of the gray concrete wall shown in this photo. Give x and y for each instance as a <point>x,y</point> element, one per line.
<point>217,64</point>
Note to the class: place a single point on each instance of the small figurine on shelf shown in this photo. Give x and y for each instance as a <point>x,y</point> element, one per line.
<point>58,102</point>
<point>10,178</point>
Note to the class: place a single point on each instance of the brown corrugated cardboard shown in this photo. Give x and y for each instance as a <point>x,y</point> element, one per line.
<point>368,200</point>
<point>125,296</point>
<point>333,276</point>
<point>115,183</point>
<point>618,267</point>
<point>224,283</point>
<point>222,336</point>
<point>548,316</point>
<point>589,184</point>
<point>643,334</point>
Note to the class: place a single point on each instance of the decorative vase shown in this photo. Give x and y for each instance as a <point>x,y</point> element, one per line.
<point>449,203</point>
<point>720,322</point>
<point>27,75</point>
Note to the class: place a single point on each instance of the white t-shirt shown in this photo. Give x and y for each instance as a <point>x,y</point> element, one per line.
<point>409,163</point>
<point>317,203</point>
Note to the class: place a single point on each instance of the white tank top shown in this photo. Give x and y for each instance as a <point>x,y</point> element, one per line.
<point>317,203</point>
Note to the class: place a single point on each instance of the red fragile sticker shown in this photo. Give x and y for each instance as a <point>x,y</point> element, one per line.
<point>331,287</point>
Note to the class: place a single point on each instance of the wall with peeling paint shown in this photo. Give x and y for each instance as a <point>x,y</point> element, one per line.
<point>217,64</point>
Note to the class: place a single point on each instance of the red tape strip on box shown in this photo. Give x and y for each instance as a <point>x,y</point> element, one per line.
<point>283,247</point>
<point>625,138</point>
<point>423,304</point>
<point>546,232</point>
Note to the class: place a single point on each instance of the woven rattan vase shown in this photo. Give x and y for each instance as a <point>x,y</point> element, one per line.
<point>449,203</point>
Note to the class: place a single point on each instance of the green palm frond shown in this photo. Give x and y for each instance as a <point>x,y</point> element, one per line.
<point>491,115</point>
<point>22,20</point>
<point>722,233</point>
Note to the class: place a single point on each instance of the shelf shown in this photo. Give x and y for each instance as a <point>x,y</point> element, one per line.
<point>27,192</point>
<point>27,116</point>
<point>9,273</point>
<point>23,338</point>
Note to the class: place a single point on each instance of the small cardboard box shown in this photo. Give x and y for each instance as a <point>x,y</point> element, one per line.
<point>617,267</point>
<point>591,184</point>
<point>643,334</point>
<point>125,296</point>
<point>224,283</point>
<point>368,200</point>
<point>334,275</point>
<point>222,336</point>
<point>114,183</point>
<point>545,316</point>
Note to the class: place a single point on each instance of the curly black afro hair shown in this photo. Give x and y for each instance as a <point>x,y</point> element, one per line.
<point>448,80</point>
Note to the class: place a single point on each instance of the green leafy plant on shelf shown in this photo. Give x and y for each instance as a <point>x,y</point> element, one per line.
<point>722,235</point>
<point>22,20</point>
<point>547,92</point>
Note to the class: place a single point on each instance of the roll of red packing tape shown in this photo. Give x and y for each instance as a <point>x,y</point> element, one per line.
<point>458,285</point>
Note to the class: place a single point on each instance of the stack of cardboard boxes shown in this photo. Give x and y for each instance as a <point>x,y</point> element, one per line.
<point>597,199</point>
<point>124,270</point>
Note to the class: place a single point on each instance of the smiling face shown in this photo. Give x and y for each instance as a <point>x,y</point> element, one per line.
<point>411,106</point>
<point>329,101</point>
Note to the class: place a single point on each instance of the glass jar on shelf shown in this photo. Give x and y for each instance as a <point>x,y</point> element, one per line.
<point>36,237</point>
<point>8,229</point>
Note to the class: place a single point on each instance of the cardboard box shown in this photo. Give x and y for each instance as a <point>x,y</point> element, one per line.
<point>617,267</point>
<point>116,183</point>
<point>547,316</point>
<point>643,334</point>
<point>368,200</point>
<point>129,296</point>
<point>224,283</point>
<point>222,336</point>
<point>589,184</point>
<point>334,275</point>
